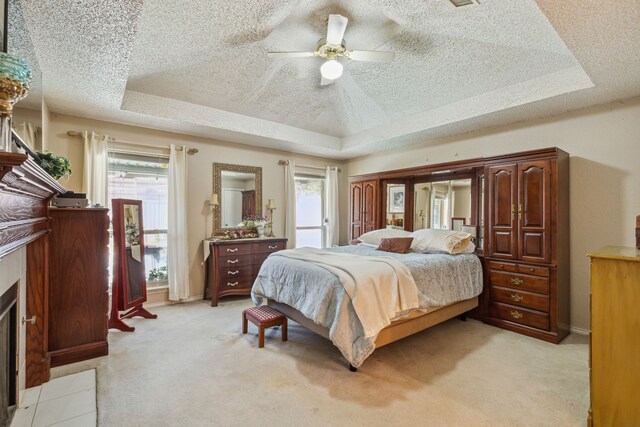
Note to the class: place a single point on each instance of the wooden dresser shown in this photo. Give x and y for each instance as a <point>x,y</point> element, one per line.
<point>78,284</point>
<point>232,265</point>
<point>615,347</point>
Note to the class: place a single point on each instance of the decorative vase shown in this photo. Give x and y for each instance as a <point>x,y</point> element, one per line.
<point>261,230</point>
<point>15,78</point>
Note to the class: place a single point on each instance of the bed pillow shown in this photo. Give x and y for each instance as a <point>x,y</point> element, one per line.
<point>398,245</point>
<point>374,237</point>
<point>430,240</point>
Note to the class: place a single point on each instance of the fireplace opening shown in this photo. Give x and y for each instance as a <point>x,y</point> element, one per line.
<point>8,354</point>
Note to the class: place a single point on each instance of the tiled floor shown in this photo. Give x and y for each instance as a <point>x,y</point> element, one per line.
<point>62,402</point>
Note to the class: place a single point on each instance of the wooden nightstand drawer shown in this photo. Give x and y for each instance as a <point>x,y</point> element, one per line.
<point>520,282</point>
<point>236,260</point>
<point>520,315</point>
<point>236,271</point>
<point>237,282</point>
<point>268,246</point>
<point>235,249</point>
<point>520,298</point>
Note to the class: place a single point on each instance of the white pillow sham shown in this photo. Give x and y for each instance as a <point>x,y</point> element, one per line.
<point>432,240</point>
<point>374,237</point>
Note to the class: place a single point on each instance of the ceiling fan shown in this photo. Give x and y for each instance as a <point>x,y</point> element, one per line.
<point>332,47</point>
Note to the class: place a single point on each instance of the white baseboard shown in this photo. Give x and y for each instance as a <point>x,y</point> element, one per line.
<point>579,331</point>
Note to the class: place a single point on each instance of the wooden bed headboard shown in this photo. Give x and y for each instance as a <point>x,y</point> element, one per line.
<point>638,232</point>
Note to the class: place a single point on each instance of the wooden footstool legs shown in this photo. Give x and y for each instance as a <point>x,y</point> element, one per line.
<point>264,317</point>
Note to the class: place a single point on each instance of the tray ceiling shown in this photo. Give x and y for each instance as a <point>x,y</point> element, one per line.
<point>200,67</point>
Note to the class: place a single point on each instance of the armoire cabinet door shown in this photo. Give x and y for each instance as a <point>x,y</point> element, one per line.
<point>534,208</point>
<point>355,214</point>
<point>503,233</point>
<point>369,205</point>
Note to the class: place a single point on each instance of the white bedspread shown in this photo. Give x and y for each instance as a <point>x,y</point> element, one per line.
<point>380,288</point>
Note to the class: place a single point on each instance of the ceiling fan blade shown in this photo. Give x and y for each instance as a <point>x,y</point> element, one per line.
<point>291,54</point>
<point>325,82</point>
<point>335,29</point>
<point>371,55</point>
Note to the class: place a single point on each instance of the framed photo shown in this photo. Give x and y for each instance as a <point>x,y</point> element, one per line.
<point>395,199</point>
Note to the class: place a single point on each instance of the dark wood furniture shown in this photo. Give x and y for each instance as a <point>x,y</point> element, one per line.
<point>232,265</point>
<point>264,317</point>
<point>528,244</point>
<point>364,207</point>
<point>78,284</point>
<point>129,291</point>
<point>248,203</point>
<point>524,232</point>
<point>25,191</point>
<point>614,345</point>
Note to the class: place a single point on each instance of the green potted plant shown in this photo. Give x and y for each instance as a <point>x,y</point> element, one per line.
<point>56,166</point>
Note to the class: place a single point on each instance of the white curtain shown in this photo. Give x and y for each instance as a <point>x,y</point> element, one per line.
<point>290,203</point>
<point>96,167</point>
<point>331,207</point>
<point>27,131</point>
<point>177,247</point>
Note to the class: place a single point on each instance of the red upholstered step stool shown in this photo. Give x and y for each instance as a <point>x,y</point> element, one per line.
<point>264,317</point>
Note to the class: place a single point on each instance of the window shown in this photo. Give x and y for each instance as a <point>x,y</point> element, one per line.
<point>145,178</point>
<point>310,229</point>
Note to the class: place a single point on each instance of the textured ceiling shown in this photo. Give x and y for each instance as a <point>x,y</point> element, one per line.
<point>200,66</point>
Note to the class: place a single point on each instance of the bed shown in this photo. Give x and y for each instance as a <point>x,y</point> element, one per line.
<point>447,286</point>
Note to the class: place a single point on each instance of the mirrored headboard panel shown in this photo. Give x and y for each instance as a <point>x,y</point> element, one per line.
<point>239,190</point>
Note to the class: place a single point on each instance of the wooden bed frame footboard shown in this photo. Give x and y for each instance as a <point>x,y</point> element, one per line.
<point>416,321</point>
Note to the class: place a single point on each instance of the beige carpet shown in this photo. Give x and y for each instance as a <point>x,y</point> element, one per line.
<point>193,367</point>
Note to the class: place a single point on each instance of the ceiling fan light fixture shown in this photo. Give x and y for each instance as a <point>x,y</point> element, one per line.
<point>331,69</point>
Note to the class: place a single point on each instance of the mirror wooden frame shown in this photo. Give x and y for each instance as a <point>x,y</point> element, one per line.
<point>218,168</point>
<point>120,291</point>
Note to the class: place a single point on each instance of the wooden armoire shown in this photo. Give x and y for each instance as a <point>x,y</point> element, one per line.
<point>363,207</point>
<point>528,244</point>
<point>521,211</point>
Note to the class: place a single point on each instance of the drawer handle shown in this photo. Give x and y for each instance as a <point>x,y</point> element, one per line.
<point>516,297</point>
<point>32,320</point>
<point>273,247</point>
<point>233,273</point>
<point>517,281</point>
<point>501,265</point>
<point>232,250</point>
<point>516,314</point>
<point>232,261</point>
<point>232,284</point>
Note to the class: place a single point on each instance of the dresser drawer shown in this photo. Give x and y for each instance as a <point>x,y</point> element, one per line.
<point>520,315</point>
<point>235,249</point>
<point>268,247</point>
<point>520,281</point>
<point>520,298</point>
<point>236,283</point>
<point>236,271</point>
<point>236,260</point>
<point>535,270</point>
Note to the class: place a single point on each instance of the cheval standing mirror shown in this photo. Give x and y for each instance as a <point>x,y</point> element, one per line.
<point>129,283</point>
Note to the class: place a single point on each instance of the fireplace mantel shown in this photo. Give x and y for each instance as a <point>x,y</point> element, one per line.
<point>25,192</point>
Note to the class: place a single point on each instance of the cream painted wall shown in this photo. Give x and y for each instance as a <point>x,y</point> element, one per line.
<point>200,170</point>
<point>604,144</point>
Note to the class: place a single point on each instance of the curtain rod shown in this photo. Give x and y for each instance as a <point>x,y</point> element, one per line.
<point>286,162</point>
<point>112,139</point>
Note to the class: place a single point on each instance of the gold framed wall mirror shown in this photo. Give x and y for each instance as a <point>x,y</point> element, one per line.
<point>239,190</point>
